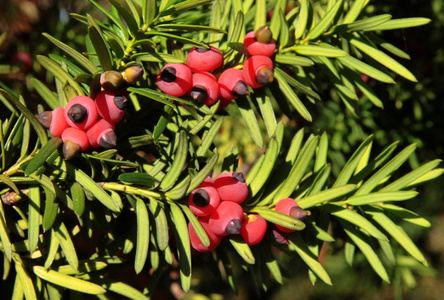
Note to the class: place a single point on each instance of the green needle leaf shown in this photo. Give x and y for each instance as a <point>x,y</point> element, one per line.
<point>307,256</point>
<point>363,244</point>
<point>68,282</point>
<point>397,233</point>
<point>82,60</point>
<point>382,58</point>
<point>178,162</point>
<point>325,22</point>
<point>143,239</point>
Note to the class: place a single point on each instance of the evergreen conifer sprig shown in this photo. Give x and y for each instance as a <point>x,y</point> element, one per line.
<point>130,204</point>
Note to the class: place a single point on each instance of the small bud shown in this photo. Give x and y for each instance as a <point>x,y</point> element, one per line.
<point>111,80</point>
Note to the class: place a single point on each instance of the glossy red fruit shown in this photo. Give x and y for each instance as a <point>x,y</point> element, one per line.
<point>204,60</point>
<point>204,88</point>
<point>195,241</point>
<point>208,181</point>
<point>111,105</point>
<point>54,121</point>
<point>258,70</point>
<point>58,122</point>
<point>174,79</point>
<point>231,186</point>
<point>74,142</point>
<point>289,207</point>
<point>232,84</point>
<point>260,42</point>
<point>102,134</point>
<point>81,112</point>
<point>203,201</point>
<point>253,229</point>
<point>226,219</point>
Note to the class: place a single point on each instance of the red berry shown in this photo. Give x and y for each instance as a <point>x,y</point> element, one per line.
<point>204,60</point>
<point>289,207</point>
<point>253,229</point>
<point>226,219</point>
<point>23,59</point>
<point>54,121</point>
<point>111,105</point>
<point>58,122</point>
<point>260,42</point>
<point>232,84</point>
<point>203,201</point>
<point>258,70</point>
<point>174,79</point>
<point>195,241</point>
<point>81,112</point>
<point>74,142</point>
<point>102,134</point>
<point>204,89</point>
<point>231,186</point>
<point>208,181</point>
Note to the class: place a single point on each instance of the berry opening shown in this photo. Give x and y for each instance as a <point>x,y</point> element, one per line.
<point>199,93</point>
<point>168,74</point>
<point>201,198</point>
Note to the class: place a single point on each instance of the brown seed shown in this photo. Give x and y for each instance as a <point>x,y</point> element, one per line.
<point>45,118</point>
<point>77,113</point>
<point>199,93</point>
<point>111,80</point>
<point>108,140</point>
<point>132,74</point>
<point>121,101</point>
<point>297,212</point>
<point>240,89</point>
<point>264,75</point>
<point>234,226</point>
<point>70,149</point>
<point>239,176</point>
<point>263,35</point>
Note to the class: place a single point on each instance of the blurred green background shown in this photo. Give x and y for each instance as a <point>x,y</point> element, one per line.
<point>414,112</point>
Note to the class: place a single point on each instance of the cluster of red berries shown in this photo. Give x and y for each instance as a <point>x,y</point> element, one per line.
<point>195,78</point>
<point>217,207</point>
<point>86,123</point>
